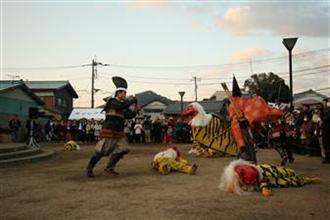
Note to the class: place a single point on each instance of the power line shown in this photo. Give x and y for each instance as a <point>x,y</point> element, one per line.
<point>298,55</point>
<point>282,74</point>
<point>40,68</point>
<point>145,82</point>
<point>303,54</point>
<point>145,77</point>
<point>295,75</point>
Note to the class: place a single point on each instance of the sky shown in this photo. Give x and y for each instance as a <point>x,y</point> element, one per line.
<point>162,45</point>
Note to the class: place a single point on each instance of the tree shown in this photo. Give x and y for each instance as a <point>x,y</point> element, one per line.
<point>269,86</point>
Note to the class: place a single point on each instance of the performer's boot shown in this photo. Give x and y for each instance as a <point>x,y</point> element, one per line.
<point>311,180</point>
<point>114,158</point>
<point>291,158</point>
<point>93,161</point>
<point>193,169</point>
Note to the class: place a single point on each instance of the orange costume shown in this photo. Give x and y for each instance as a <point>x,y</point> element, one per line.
<point>255,110</point>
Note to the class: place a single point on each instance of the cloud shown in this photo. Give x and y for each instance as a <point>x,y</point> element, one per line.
<point>199,8</point>
<point>279,18</point>
<point>251,53</point>
<point>147,4</point>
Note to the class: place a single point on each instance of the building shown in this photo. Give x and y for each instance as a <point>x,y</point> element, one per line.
<point>151,103</point>
<point>308,97</point>
<point>57,95</point>
<point>174,109</point>
<point>218,96</point>
<point>16,100</point>
<point>221,95</point>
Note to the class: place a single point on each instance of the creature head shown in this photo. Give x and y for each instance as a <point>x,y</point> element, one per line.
<point>190,111</point>
<point>196,114</point>
<point>239,174</point>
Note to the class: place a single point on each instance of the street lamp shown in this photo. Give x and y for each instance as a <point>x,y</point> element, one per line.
<point>181,95</point>
<point>289,44</point>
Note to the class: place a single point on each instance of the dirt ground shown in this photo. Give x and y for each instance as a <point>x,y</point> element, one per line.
<point>58,189</point>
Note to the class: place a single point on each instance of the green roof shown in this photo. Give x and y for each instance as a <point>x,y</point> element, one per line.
<point>5,86</point>
<point>43,85</point>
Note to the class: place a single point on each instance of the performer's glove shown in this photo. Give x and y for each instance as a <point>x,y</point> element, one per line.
<point>135,100</point>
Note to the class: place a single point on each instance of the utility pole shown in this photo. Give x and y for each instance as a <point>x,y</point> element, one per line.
<point>94,64</point>
<point>251,67</point>
<point>94,73</point>
<point>195,81</point>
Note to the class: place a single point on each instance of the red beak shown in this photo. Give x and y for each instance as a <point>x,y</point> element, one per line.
<point>189,111</point>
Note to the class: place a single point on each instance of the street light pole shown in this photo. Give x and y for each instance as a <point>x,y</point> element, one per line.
<point>290,74</point>
<point>181,95</point>
<point>289,44</point>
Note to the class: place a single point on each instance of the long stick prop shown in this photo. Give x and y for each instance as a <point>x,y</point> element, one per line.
<point>229,95</point>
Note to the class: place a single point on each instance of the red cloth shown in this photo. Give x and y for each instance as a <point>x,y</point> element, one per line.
<point>249,175</point>
<point>255,110</point>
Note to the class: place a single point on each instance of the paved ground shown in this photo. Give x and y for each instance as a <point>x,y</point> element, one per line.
<point>58,189</point>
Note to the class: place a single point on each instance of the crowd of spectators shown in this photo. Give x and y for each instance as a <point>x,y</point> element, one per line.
<point>312,129</point>
<point>307,130</point>
<point>138,130</point>
<point>165,131</point>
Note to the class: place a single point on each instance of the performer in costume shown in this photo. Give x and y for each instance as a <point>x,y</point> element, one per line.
<point>253,112</point>
<point>117,109</point>
<point>241,176</point>
<point>210,133</point>
<point>170,160</point>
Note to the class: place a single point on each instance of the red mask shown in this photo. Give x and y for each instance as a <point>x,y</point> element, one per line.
<point>189,111</point>
<point>249,175</point>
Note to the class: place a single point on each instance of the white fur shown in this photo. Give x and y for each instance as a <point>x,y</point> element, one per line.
<point>230,181</point>
<point>202,118</point>
<point>169,153</point>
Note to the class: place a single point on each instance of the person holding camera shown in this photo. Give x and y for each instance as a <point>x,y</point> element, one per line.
<point>112,135</point>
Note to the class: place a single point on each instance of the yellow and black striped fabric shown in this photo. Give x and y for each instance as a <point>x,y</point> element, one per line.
<point>278,176</point>
<point>71,145</point>
<point>213,139</point>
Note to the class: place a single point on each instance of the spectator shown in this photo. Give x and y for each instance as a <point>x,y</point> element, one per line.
<point>127,130</point>
<point>169,125</point>
<point>178,133</point>
<point>81,131</point>
<point>69,136</point>
<point>14,126</point>
<point>48,130</point>
<point>138,131</point>
<point>98,127</point>
<point>147,124</point>
<point>325,131</point>
<point>74,129</point>
<point>156,131</point>
<point>90,129</point>
<point>62,130</point>
<point>131,125</point>
<point>307,133</point>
